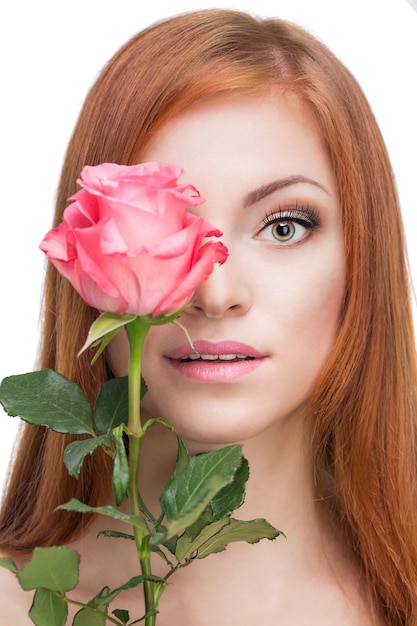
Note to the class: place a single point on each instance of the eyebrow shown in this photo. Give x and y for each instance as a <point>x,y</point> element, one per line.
<point>265,190</point>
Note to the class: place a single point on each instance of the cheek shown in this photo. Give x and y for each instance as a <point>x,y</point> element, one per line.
<point>310,303</point>
<point>321,314</point>
<point>334,290</point>
<point>326,302</point>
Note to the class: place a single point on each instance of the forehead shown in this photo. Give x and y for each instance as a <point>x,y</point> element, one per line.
<point>237,112</point>
<point>244,139</point>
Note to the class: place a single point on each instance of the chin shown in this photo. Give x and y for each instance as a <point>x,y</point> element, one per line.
<point>210,425</point>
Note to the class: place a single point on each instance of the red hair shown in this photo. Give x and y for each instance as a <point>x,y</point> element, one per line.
<point>363,409</point>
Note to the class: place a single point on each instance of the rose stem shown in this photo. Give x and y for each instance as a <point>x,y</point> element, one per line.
<point>136,332</point>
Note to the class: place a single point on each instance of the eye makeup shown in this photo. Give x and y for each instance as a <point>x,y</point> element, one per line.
<point>291,224</point>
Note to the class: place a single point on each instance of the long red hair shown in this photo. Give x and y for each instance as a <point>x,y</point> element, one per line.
<point>363,409</point>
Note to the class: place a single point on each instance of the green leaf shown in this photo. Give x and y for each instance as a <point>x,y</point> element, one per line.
<point>204,520</point>
<point>102,344</point>
<point>157,550</point>
<point>122,615</point>
<point>8,564</point>
<point>187,493</point>
<point>182,456</point>
<point>48,609</point>
<point>189,508</point>
<point>187,546</point>
<point>106,323</point>
<point>232,496</point>
<point>170,543</point>
<point>120,476</point>
<point>55,569</point>
<point>46,398</point>
<point>237,530</point>
<point>111,408</point>
<point>101,598</point>
<point>106,596</point>
<point>76,451</point>
<point>110,511</point>
<point>115,534</point>
<point>87,617</point>
<point>225,502</point>
<point>163,319</point>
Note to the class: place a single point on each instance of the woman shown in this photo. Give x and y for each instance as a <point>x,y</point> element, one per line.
<point>279,139</point>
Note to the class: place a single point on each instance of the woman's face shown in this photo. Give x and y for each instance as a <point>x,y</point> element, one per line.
<point>266,320</point>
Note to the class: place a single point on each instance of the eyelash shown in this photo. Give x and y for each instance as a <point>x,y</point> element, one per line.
<point>304,215</point>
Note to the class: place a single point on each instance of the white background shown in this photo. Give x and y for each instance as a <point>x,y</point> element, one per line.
<point>52,51</point>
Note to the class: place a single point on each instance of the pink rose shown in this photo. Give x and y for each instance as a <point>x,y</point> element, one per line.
<point>127,242</point>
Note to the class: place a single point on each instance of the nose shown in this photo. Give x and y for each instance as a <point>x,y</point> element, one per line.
<point>226,291</point>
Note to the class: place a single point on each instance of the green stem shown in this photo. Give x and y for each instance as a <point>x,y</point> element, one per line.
<point>136,332</point>
<point>148,585</point>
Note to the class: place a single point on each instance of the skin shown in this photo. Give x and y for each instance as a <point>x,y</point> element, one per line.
<point>283,298</point>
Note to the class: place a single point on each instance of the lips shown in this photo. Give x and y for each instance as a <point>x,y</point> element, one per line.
<point>213,349</point>
<point>215,362</point>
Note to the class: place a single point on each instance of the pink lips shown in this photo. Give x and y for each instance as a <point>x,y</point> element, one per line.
<point>215,362</point>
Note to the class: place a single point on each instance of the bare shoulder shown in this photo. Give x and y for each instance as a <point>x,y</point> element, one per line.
<point>15,603</point>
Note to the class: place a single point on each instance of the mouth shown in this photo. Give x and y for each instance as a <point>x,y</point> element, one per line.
<point>216,357</point>
<point>227,350</point>
<point>218,362</point>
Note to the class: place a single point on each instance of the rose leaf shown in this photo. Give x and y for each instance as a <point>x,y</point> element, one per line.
<point>48,608</point>
<point>111,408</point>
<point>76,452</point>
<point>46,398</point>
<point>55,569</point>
<point>187,494</point>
